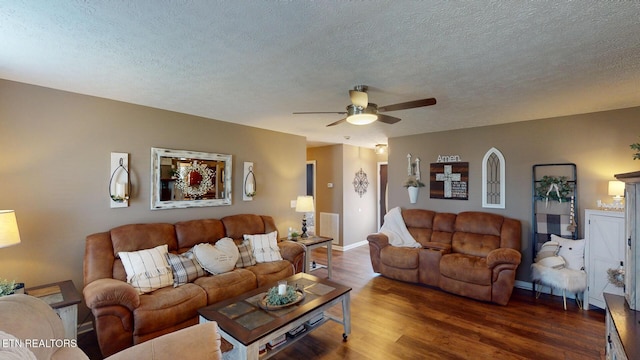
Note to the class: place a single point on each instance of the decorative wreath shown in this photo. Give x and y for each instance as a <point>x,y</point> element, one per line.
<point>616,277</point>
<point>553,188</point>
<point>197,188</point>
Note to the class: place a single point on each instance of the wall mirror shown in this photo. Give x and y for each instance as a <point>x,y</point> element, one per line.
<point>182,179</point>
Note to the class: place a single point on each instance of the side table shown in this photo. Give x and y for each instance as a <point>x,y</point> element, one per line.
<point>311,243</point>
<point>63,299</point>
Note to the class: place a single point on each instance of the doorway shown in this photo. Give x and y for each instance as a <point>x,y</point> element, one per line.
<point>382,192</point>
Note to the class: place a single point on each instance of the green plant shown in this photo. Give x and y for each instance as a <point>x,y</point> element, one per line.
<point>412,181</point>
<point>274,299</point>
<point>7,287</point>
<point>636,147</point>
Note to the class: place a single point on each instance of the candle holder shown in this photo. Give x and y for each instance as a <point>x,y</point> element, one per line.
<point>119,184</point>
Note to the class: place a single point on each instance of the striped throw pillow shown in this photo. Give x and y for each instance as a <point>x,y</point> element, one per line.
<point>147,270</point>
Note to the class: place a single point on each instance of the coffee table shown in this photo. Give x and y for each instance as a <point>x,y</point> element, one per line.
<point>244,324</point>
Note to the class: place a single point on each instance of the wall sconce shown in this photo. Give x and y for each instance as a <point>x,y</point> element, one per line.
<point>119,183</point>
<point>381,149</point>
<point>304,204</point>
<point>249,182</point>
<point>616,189</point>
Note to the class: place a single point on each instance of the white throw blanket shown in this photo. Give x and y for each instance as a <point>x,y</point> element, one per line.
<point>396,230</point>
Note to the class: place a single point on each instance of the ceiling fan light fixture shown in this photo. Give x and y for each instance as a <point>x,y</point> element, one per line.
<point>362,119</point>
<point>357,115</point>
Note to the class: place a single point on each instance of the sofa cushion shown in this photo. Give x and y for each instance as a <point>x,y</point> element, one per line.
<point>466,268</point>
<point>474,244</point>
<point>218,258</point>
<point>273,271</point>
<point>193,232</point>
<point>185,268</point>
<point>246,257</point>
<point>143,236</point>
<point>265,246</point>
<point>147,270</point>
<point>400,257</point>
<point>166,307</point>
<point>227,285</point>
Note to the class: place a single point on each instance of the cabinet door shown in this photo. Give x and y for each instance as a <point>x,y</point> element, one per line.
<point>605,233</point>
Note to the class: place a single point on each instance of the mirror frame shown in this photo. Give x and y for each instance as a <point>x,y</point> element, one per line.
<point>156,187</point>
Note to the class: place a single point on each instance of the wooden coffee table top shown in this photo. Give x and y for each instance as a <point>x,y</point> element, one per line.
<point>242,318</point>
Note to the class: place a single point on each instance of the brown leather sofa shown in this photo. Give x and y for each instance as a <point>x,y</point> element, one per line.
<point>473,254</point>
<point>122,318</point>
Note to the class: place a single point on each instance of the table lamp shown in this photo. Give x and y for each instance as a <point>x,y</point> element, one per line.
<point>304,204</point>
<point>9,234</point>
<point>616,189</point>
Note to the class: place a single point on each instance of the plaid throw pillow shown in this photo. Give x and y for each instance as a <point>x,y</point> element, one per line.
<point>246,257</point>
<point>185,269</point>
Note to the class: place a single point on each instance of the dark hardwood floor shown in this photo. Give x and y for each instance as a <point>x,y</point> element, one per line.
<point>395,320</point>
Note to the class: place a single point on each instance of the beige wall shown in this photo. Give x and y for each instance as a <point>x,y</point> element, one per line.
<point>55,172</point>
<point>597,143</point>
<point>338,164</point>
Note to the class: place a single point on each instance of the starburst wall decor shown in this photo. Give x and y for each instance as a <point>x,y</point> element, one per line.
<point>360,182</point>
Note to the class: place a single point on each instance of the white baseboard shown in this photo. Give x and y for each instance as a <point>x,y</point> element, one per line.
<point>350,246</point>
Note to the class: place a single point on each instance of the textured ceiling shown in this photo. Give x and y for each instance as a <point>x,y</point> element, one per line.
<point>255,62</point>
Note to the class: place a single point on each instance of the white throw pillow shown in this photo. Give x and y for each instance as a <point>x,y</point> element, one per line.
<point>219,258</point>
<point>572,251</point>
<point>556,262</point>
<point>147,270</point>
<point>550,248</point>
<point>265,247</point>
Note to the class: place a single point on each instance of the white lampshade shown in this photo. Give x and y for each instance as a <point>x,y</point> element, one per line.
<point>9,234</point>
<point>304,204</point>
<point>616,188</point>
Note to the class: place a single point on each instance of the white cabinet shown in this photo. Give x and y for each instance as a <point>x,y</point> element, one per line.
<point>632,236</point>
<point>605,234</point>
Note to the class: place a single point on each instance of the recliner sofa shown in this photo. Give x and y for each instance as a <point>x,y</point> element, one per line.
<point>473,254</point>
<point>123,318</point>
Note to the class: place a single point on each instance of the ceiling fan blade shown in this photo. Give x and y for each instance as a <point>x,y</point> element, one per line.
<point>319,112</point>
<point>408,105</point>
<point>387,119</point>
<point>359,98</point>
<point>338,122</point>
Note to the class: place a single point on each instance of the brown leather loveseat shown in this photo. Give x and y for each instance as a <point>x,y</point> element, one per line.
<point>123,318</point>
<point>473,254</point>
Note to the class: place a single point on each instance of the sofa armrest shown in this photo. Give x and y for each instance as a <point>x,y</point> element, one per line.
<point>294,253</point>
<point>379,240</point>
<point>107,292</point>
<point>503,256</point>
<point>201,341</point>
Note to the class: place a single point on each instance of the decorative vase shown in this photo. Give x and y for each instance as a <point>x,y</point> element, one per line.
<point>413,194</point>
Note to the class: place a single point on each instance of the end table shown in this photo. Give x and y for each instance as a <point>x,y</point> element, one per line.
<point>311,243</point>
<point>63,299</point>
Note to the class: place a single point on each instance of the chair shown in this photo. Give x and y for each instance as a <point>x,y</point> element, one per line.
<point>560,265</point>
<point>29,319</point>
<point>574,281</point>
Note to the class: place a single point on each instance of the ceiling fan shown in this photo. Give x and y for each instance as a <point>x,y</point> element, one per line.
<point>362,112</point>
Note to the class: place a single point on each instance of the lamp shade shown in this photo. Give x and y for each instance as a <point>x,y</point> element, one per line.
<point>616,188</point>
<point>304,204</point>
<point>9,234</point>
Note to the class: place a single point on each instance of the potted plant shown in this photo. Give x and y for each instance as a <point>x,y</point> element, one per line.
<point>413,186</point>
<point>636,147</point>
<point>7,287</point>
